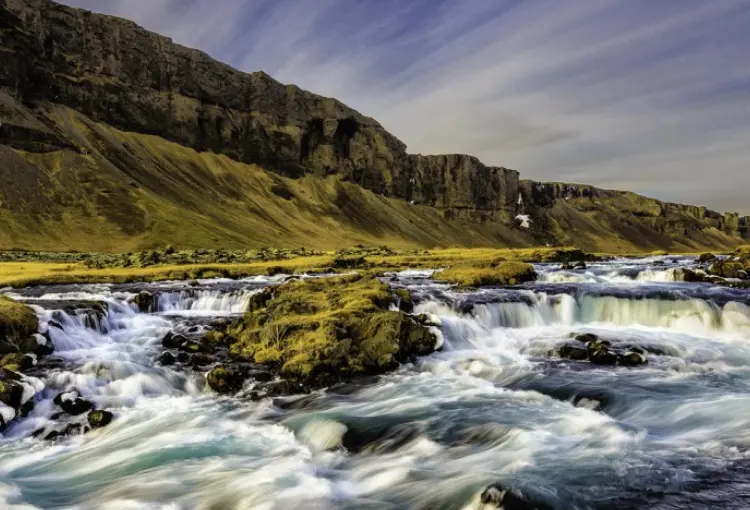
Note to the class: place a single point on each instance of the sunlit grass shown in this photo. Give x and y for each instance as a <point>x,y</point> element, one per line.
<point>22,274</point>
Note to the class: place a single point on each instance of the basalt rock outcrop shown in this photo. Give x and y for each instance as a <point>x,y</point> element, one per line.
<point>68,77</point>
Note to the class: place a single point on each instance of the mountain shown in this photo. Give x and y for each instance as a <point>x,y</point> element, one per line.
<point>115,138</point>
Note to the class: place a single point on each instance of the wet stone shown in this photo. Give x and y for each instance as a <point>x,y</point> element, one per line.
<point>633,359</point>
<point>501,497</point>
<point>573,353</point>
<point>201,360</point>
<point>76,406</point>
<point>166,358</point>
<point>194,346</point>
<point>226,379</point>
<point>173,341</point>
<point>98,419</point>
<point>587,337</point>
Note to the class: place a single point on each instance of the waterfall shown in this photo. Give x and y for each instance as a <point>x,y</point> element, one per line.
<point>205,302</point>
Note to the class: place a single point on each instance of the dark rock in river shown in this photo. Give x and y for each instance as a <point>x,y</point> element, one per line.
<point>201,360</point>
<point>280,388</point>
<point>98,419</point>
<point>11,389</point>
<point>586,337</point>
<point>226,379</point>
<point>166,358</point>
<point>632,359</point>
<point>76,406</point>
<point>258,300</point>
<point>600,352</point>
<point>194,346</point>
<point>405,301</point>
<point>173,341</point>
<point>499,496</point>
<point>146,302</point>
<point>573,353</point>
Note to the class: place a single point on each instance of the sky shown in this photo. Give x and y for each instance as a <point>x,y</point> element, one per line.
<point>651,96</point>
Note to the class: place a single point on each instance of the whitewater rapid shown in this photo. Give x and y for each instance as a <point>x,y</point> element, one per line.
<point>493,406</point>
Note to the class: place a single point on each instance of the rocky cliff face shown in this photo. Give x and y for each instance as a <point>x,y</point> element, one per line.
<point>118,74</point>
<point>537,198</point>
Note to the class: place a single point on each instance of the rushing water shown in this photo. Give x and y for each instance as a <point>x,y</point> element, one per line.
<point>491,407</point>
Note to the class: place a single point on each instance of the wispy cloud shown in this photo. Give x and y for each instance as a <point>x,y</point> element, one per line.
<point>649,96</point>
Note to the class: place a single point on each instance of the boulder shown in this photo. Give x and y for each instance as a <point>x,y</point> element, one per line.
<point>319,330</point>
<point>76,406</point>
<point>404,299</point>
<point>72,403</point>
<point>166,359</point>
<point>225,379</point>
<point>17,361</point>
<point>600,354</point>
<point>99,419</point>
<point>632,359</point>
<point>258,300</point>
<point>11,390</point>
<point>499,496</point>
<point>194,346</point>
<point>201,360</point>
<point>18,324</point>
<point>572,352</point>
<point>587,337</point>
<point>173,341</point>
<point>146,302</point>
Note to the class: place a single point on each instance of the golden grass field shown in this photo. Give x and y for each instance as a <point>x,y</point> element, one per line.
<point>22,274</point>
<point>461,261</point>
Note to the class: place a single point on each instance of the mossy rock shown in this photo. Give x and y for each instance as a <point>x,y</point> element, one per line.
<point>505,273</point>
<point>18,323</point>
<point>11,389</point>
<point>258,300</point>
<point>405,301</point>
<point>322,329</point>
<point>706,257</point>
<point>729,269</point>
<point>99,419</point>
<point>16,361</point>
<point>225,380</point>
<point>213,337</point>
<point>146,302</point>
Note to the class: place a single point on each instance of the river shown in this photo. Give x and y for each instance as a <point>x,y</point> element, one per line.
<point>492,406</point>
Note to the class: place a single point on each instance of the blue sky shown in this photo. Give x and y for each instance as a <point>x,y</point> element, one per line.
<point>647,95</point>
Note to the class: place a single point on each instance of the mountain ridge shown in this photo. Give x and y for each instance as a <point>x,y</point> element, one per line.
<point>82,95</point>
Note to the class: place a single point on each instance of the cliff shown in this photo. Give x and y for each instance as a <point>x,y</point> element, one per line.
<point>75,85</point>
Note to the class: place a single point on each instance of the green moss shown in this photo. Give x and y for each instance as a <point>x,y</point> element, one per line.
<point>12,361</point>
<point>215,337</point>
<point>224,380</point>
<point>405,301</point>
<point>98,419</point>
<point>504,273</point>
<point>328,327</point>
<point>17,323</point>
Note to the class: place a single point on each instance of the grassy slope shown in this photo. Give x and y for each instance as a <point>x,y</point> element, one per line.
<point>132,191</point>
<point>126,191</point>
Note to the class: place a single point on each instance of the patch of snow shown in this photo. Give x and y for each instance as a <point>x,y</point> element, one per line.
<point>524,219</point>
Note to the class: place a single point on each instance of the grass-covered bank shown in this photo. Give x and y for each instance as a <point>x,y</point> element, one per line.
<point>21,269</point>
